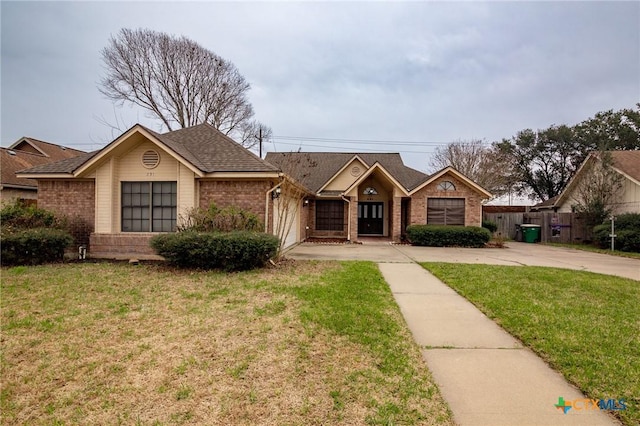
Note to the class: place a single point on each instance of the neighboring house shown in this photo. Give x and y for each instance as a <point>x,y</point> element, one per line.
<point>143,183</point>
<point>23,154</point>
<point>547,205</point>
<point>627,200</point>
<point>353,195</point>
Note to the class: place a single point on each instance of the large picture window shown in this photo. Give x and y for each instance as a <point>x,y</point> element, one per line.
<point>149,206</point>
<point>329,215</point>
<point>445,211</point>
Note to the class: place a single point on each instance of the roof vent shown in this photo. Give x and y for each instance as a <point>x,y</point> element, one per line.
<point>11,152</point>
<point>150,159</point>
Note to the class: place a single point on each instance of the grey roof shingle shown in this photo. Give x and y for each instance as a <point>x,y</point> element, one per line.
<point>203,146</point>
<point>315,169</point>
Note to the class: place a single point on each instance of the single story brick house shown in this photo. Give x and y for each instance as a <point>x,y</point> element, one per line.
<point>144,182</point>
<point>376,195</point>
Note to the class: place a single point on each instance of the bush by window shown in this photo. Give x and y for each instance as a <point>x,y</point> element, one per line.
<point>448,236</point>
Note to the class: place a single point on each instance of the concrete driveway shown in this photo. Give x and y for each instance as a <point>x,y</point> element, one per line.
<point>514,254</point>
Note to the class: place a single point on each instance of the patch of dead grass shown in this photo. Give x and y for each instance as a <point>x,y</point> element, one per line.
<point>112,343</point>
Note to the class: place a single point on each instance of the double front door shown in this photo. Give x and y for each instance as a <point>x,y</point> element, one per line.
<point>370,218</point>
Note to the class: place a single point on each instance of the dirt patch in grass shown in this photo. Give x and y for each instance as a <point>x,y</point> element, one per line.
<point>113,343</point>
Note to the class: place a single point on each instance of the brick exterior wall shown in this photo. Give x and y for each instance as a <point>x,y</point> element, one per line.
<point>248,195</point>
<point>74,199</point>
<point>473,201</point>
<point>122,246</point>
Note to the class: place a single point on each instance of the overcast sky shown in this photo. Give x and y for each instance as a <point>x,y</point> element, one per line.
<point>422,72</point>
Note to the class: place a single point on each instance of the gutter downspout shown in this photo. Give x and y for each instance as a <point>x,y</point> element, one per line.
<point>348,218</point>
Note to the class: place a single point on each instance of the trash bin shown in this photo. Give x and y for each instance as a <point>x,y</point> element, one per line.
<point>518,232</point>
<point>531,233</point>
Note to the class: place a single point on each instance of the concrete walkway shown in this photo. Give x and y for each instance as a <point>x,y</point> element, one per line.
<point>486,375</point>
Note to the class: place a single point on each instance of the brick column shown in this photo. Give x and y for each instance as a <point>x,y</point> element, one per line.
<point>396,219</point>
<point>353,217</point>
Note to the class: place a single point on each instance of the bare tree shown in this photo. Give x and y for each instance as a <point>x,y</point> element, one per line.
<point>176,80</point>
<point>254,133</point>
<point>597,193</point>
<point>484,165</point>
<point>290,193</point>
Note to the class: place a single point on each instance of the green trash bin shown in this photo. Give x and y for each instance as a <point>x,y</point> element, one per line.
<point>531,233</point>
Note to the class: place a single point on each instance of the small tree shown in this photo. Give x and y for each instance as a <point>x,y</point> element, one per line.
<point>290,194</point>
<point>598,192</point>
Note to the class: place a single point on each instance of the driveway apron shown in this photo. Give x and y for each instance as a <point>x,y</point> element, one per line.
<point>484,373</point>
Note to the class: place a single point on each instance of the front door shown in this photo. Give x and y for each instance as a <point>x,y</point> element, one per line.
<point>370,218</point>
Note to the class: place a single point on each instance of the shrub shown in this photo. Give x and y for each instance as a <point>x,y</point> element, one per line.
<point>627,228</point>
<point>491,226</point>
<point>448,236</point>
<point>18,216</point>
<point>214,219</point>
<point>233,251</point>
<point>34,246</point>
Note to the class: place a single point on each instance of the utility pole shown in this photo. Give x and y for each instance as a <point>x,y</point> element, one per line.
<point>260,140</point>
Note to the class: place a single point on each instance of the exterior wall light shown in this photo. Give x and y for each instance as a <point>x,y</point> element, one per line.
<point>276,193</point>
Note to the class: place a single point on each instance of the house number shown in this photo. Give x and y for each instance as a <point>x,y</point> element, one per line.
<point>151,174</point>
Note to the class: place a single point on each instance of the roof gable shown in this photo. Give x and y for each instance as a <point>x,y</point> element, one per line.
<point>377,167</point>
<point>201,148</point>
<point>47,149</point>
<point>31,153</point>
<point>456,173</point>
<point>627,163</point>
<point>355,162</point>
<point>316,169</point>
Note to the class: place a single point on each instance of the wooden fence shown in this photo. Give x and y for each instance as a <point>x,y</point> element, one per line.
<point>554,227</point>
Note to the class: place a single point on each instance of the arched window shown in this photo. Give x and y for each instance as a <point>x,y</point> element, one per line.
<point>446,186</point>
<point>370,191</point>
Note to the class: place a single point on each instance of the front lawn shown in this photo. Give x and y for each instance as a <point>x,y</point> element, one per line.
<point>304,343</point>
<point>586,325</point>
<point>593,249</point>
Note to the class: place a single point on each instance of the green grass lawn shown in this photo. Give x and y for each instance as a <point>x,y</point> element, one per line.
<point>302,343</point>
<point>586,247</point>
<point>586,325</point>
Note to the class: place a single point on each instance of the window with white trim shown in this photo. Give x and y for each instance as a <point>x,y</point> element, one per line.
<point>149,206</point>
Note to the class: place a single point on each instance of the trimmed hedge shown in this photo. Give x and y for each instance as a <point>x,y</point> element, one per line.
<point>233,251</point>
<point>448,236</point>
<point>34,246</point>
<point>627,231</point>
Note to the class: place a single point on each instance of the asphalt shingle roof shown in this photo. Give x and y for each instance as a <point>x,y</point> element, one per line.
<point>315,169</point>
<point>31,153</point>
<point>203,146</point>
<point>627,162</point>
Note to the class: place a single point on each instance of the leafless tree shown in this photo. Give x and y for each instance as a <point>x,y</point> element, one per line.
<point>597,193</point>
<point>176,80</point>
<point>296,169</point>
<point>482,164</point>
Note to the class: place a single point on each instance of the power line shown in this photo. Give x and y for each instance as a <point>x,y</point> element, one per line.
<point>369,141</point>
<point>359,149</point>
